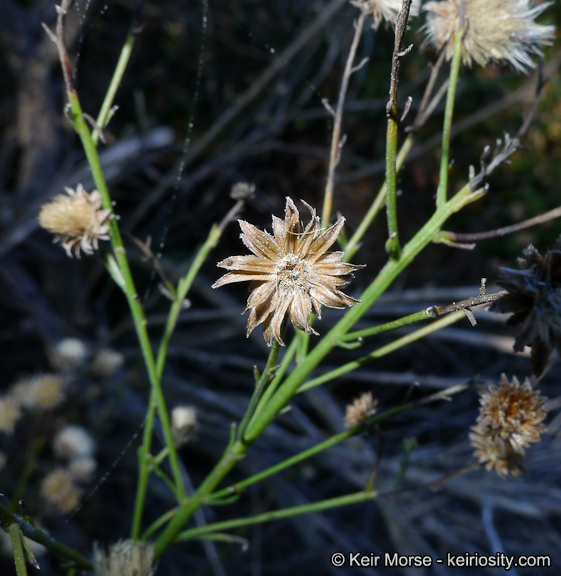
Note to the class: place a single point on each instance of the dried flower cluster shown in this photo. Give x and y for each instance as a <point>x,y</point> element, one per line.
<point>291,273</point>
<point>124,558</point>
<point>40,392</point>
<point>534,299</point>
<point>78,220</point>
<point>10,413</point>
<point>360,410</point>
<point>385,9</point>
<point>60,488</point>
<point>496,30</point>
<point>510,419</point>
<point>60,491</point>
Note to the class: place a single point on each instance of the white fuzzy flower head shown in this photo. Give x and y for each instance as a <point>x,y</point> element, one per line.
<point>385,9</point>
<point>73,442</point>
<point>496,30</point>
<point>106,361</point>
<point>68,354</point>
<point>124,558</point>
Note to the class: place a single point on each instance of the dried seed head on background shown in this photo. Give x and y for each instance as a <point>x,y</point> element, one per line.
<point>497,30</point>
<point>385,9</point>
<point>78,220</point>
<point>360,410</point>
<point>291,273</point>
<point>534,299</point>
<point>510,419</point>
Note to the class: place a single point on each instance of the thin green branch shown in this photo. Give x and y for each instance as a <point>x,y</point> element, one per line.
<point>392,245</point>
<point>77,119</point>
<point>354,242</point>
<point>347,500</point>
<point>442,191</point>
<point>30,531</point>
<point>106,108</point>
<point>389,326</point>
<point>183,287</point>
<point>305,454</point>
<point>17,549</point>
<point>265,380</point>
<point>383,351</point>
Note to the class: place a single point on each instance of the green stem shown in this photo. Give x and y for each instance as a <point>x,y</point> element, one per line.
<point>281,371</point>
<point>305,454</point>
<point>27,472</point>
<point>128,287</point>
<point>442,193</point>
<point>383,351</point>
<point>379,202</point>
<point>314,507</point>
<point>104,114</point>
<point>30,531</point>
<point>389,326</point>
<point>183,287</point>
<point>264,381</point>
<point>17,547</point>
<point>392,245</point>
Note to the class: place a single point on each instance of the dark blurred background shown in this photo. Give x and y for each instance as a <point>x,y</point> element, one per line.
<point>196,116</point>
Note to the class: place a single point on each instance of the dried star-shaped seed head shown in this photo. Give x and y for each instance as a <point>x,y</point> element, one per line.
<point>78,220</point>
<point>291,273</point>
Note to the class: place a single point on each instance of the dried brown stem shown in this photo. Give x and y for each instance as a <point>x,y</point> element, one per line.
<point>336,142</point>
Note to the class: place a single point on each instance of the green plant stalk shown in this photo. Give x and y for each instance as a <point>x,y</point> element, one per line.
<point>392,244</point>
<point>236,450</point>
<point>308,453</point>
<point>103,116</point>
<point>293,347</point>
<point>314,507</point>
<point>17,547</point>
<point>442,191</point>
<point>389,326</point>
<point>383,351</point>
<point>265,380</point>
<point>26,474</point>
<point>379,202</point>
<point>129,288</point>
<point>30,531</point>
<point>183,287</point>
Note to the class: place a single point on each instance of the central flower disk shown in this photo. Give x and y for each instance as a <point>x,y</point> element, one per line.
<point>291,272</point>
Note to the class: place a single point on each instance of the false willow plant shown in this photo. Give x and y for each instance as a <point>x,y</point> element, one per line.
<point>293,275</point>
